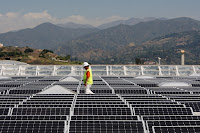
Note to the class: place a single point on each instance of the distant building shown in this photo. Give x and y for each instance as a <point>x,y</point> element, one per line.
<point>1,45</point>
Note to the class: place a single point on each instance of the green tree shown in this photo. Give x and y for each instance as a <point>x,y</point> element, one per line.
<point>67,57</point>
<point>28,50</point>
<point>139,61</point>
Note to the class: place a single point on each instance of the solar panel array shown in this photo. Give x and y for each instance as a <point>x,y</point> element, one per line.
<point>119,105</point>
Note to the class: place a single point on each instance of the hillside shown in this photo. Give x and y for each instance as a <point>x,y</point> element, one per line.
<point>33,56</point>
<point>167,47</point>
<point>102,46</point>
<point>43,36</point>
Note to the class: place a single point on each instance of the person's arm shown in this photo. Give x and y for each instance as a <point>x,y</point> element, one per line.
<point>87,77</point>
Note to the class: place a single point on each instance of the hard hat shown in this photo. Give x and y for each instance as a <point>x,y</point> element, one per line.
<point>85,64</point>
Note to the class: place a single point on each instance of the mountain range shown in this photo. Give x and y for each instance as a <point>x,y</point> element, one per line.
<point>116,45</point>
<point>102,46</point>
<point>74,25</point>
<point>131,21</point>
<point>43,36</point>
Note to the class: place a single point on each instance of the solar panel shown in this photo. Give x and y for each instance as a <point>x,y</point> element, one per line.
<point>151,102</point>
<point>176,129</point>
<point>148,85</point>
<point>28,117</point>
<point>157,105</point>
<point>162,111</point>
<point>45,106</point>
<point>41,111</point>
<point>7,105</point>
<point>141,96</point>
<point>102,111</point>
<point>109,117</point>
<point>173,117</point>
<point>106,127</point>
<point>178,92</point>
<point>127,110</point>
<point>32,126</point>
<point>100,91</point>
<point>4,111</point>
<point>101,105</point>
<point>146,100</point>
<point>97,96</point>
<point>48,102</point>
<point>171,123</point>
<point>130,91</point>
<point>99,102</point>
<point>52,98</point>
<point>23,91</point>
<point>195,106</point>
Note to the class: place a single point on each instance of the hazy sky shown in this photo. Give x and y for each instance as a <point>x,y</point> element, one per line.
<point>17,14</point>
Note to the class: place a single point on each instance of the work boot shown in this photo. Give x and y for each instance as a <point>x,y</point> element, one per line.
<point>88,91</point>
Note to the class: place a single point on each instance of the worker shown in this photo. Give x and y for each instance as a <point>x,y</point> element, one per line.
<point>88,80</point>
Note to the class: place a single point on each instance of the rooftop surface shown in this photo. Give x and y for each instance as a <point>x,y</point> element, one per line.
<point>121,104</point>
